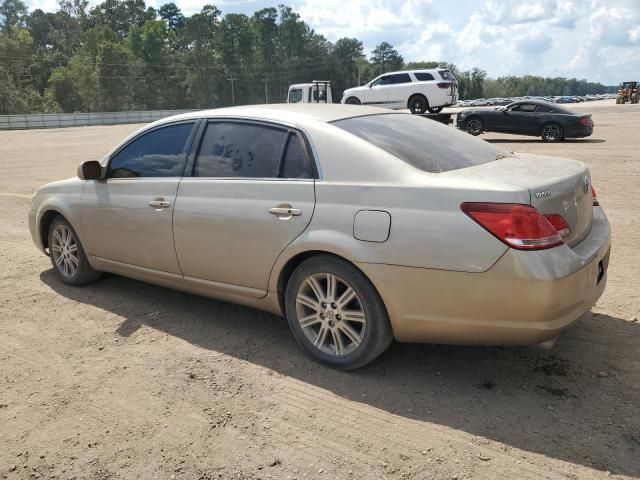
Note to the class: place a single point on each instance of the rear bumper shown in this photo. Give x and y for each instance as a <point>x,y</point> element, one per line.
<point>526,298</point>
<point>579,131</point>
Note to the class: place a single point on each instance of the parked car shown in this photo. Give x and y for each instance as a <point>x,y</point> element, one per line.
<point>480,102</point>
<point>418,90</point>
<point>528,117</point>
<point>357,224</point>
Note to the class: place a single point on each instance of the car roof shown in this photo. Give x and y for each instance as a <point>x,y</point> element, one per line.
<point>286,112</point>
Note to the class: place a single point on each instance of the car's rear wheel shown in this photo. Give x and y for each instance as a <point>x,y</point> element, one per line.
<point>336,314</point>
<point>418,104</point>
<point>353,101</point>
<point>435,109</point>
<point>67,255</point>
<point>474,125</point>
<point>551,132</point>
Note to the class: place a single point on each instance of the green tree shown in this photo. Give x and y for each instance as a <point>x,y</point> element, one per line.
<point>171,14</point>
<point>12,13</point>
<point>386,58</point>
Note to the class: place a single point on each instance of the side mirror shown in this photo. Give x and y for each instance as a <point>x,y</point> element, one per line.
<point>90,170</point>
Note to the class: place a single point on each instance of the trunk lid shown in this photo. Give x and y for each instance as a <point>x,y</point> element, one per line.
<point>556,186</point>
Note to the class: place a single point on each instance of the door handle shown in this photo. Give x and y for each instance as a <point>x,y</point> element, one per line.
<point>285,212</point>
<point>159,204</point>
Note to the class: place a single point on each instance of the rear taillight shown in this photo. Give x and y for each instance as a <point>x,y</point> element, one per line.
<point>560,224</point>
<point>594,195</point>
<point>586,121</point>
<point>444,85</point>
<point>519,226</point>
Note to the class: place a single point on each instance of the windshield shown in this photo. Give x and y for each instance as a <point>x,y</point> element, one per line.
<point>423,143</point>
<point>295,95</point>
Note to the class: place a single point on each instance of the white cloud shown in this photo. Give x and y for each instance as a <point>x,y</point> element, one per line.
<point>596,39</point>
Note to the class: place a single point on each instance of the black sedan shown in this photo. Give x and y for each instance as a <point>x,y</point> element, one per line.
<point>527,117</point>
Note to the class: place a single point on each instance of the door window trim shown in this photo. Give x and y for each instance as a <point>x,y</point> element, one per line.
<point>187,147</point>
<point>202,128</point>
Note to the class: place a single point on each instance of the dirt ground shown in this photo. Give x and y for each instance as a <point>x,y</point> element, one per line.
<point>125,380</point>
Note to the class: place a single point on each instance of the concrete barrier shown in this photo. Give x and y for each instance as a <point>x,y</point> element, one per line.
<point>62,120</point>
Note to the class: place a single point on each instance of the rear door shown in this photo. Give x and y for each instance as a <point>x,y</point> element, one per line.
<point>247,195</point>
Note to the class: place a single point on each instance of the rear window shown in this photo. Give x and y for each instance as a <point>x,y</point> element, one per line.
<point>423,143</point>
<point>424,76</point>
<point>446,75</point>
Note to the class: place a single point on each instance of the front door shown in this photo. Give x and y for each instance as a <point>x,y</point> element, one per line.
<point>378,93</point>
<point>127,218</point>
<point>250,194</point>
<point>520,118</point>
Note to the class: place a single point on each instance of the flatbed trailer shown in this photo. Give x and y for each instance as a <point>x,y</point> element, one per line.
<point>438,117</point>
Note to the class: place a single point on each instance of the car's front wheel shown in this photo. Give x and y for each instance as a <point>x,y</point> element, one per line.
<point>551,132</point>
<point>474,126</point>
<point>67,255</point>
<point>336,314</point>
<point>352,101</point>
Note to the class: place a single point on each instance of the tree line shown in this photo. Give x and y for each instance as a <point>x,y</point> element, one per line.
<point>125,55</point>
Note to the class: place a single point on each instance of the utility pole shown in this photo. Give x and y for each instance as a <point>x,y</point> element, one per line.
<point>266,94</point>
<point>233,95</point>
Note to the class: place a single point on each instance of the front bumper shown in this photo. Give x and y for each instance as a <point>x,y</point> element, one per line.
<point>526,298</point>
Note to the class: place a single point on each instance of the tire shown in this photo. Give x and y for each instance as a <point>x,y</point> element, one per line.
<point>551,132</point>
<point>435,109</point>
<point>353,101</point>
<point>474,126</point>
<point>350,332</point>
<point>64,247</point>
<point>418,104</point>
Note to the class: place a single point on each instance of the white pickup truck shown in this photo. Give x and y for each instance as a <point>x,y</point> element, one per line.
<point>417,90</point>
<point>318,91</point>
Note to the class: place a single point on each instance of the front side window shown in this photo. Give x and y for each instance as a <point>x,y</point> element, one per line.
<point>427,145</point>
<point>230,149</point>
<point>524,107</point>
<point>423,76</point>
<point>386,80</point>
<point>295,95</point>
<point>159,153</point>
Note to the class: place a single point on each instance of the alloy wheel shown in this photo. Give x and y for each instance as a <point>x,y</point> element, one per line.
<point>551,132</point>
<point>474,126</point>
<point>64,250</point>
<point>330,314</point>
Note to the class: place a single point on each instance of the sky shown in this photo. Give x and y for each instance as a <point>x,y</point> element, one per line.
<point>594,39</point>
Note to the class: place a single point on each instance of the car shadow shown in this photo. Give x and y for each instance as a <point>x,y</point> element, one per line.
<point>539,140</point>
<point>577,402</point>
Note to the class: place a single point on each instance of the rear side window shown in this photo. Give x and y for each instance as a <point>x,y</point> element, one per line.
<point>230,149</point>
<point>423,76</point>
<point>423,143</point>
<point>159,153</point>
<point>295,161</point>
<point>400,78</point>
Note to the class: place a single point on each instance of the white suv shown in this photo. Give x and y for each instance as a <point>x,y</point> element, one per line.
<point>417,90</point>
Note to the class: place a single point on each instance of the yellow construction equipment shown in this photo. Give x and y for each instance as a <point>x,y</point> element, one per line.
<point>628,92</point>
